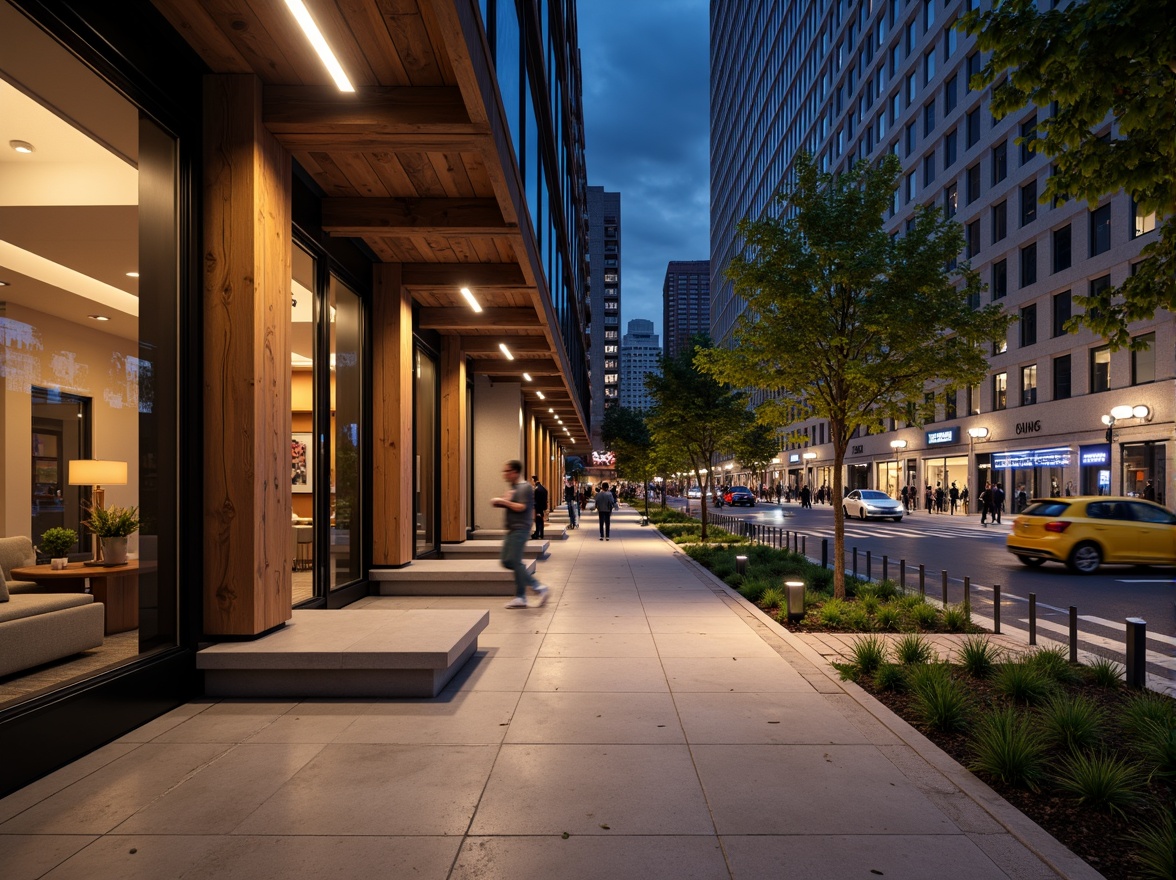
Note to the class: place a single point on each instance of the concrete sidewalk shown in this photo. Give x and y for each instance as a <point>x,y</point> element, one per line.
<point>646,723</point>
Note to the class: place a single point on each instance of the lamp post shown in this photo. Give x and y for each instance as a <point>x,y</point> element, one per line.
<point>975,434</point>
<point>898,446</point>
<point>1118,414</point>
<point>809,458</point>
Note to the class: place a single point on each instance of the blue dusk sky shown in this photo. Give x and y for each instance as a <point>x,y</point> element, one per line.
<point>646,82</point>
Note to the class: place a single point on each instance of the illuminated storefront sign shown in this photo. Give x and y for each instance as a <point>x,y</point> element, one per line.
<point>1058,456</point>
<point>794,458</point>
<point>1095,455</point>
<point>943,437</point>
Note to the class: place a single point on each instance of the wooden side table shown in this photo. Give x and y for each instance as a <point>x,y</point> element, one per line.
<point>116,587</point>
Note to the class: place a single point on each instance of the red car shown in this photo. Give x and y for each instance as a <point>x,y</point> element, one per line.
<point>737,495</point>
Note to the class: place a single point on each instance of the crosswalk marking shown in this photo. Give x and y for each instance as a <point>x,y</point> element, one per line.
<point>1155,657</point>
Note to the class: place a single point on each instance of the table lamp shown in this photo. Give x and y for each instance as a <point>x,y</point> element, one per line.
<point>96,472</point>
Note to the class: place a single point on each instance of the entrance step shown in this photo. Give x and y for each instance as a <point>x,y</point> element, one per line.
<point>553,532</point>
<point>536,549</point>
<point>447,577</point>
<point>360,653</point>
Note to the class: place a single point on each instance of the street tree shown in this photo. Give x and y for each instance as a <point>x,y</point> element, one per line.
<point>696,414</point>
<point>755,448</point>
<point>625,433</point>
<point>847,323</point>
<point>1108,70</point>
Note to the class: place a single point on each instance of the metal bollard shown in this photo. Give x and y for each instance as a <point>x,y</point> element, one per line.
<point>855,562</point>
<point>885,567</point>
<point>1136,652</point>
<point>804,545</point>
<point>1033,618</point>
<point>869,566</point>
<point>902,574</point>
<point>740,565</point>
<point>968,598</point>
<point>922,580</point>
<point>1073,633</point>
<point>824,552</point>
<point>945,588</point>
<point>996,609</point>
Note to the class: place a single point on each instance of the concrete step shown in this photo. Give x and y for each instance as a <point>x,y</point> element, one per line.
<point>360,653</point>
<point>553,532</point>
<point>447,577</point>
<point>536,549</point>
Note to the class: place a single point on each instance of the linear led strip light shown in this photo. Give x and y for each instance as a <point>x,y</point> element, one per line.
<point>302,15</point>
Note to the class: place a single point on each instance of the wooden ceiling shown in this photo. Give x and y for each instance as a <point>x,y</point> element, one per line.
<point>412,163</point>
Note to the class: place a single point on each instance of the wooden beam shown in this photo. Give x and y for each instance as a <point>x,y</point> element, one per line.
<point>393,530</point>
<point>479,346</point>
<point>503,367</point>
<point>391,218</point>
<point>454,442</point>
<point>465,319</point>
<point>451,276</point>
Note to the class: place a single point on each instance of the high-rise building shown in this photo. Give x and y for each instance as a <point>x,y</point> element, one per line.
<point>847,82</point>
<point>640,355</point>
<point>686,305</point>
<point>604,249</point>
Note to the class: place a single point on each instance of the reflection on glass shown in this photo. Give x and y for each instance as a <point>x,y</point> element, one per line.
<point>302,445</point>
<point>425,439</point>
<point>346,407</point>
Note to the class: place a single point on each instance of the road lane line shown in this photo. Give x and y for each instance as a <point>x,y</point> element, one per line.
<point>1155,657</point>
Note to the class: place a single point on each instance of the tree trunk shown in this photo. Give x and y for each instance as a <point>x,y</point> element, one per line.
<point>838,518</point>
<point>702,499</point>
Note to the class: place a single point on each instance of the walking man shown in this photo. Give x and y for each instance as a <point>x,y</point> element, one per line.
<point>519,503</point>
<point>540,505</point>
<point>985,503</point>
<point>605,503</point>
<point>953,496</point>
<point>570,500</point>
<point>998,497</point>
<point>806,497</point>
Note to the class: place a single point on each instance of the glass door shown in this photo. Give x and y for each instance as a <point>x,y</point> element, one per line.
<point>347,390</point>
<point>425,434</point>
<point>302,430</point>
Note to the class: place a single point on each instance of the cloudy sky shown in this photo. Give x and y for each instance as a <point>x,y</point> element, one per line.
<point>645,68</point>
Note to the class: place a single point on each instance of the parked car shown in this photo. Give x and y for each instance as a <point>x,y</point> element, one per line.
<point>738,495</point>
<point>694,492</point>
<point>872,504</point>
<point>1083,532</point>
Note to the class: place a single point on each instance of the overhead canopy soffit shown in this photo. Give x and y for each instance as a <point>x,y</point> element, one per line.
<point>409,163</point>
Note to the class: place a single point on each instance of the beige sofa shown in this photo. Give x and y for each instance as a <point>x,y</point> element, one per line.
<point>38,627</point>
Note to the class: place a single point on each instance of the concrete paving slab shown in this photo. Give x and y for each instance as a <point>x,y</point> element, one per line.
<point>614,675</point>
<point>588,717</point>
<point>757,718</point>
<point>590,858</point>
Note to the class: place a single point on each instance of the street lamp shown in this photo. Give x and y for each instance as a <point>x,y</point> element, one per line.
<point>808,469</point>
<point>1120,413</point>
<point>975,434</point>
<point>898,446</point>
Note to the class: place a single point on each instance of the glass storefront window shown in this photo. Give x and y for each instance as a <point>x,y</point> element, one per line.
<point>302,445</point>
<point>425,435</point>
<point>347,389</point>
<point>1144,467</point>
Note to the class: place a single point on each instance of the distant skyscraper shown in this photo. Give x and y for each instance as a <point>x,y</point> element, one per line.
<point>639,355</point>
<point>685,303</point>
<point>604,250</point>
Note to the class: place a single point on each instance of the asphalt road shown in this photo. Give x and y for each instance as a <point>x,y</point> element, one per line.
<point>964,548</point>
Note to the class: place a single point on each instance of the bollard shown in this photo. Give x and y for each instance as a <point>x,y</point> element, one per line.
<point>922,580</point>
<point>824,552</point>
<point>968,598</point>
<point>1033,618</point>
<point>996,609</point>
<point>869,566</point>
<point>741,565</point>
<point>804,545</point>
<point>945,588</point>
<point>1073,633</point>
<point>885,567</point>
<point>1136,652</point>
<point>787,540</point>
<point>794,599</point>
<point>855,562</point>
<point>902,574</point>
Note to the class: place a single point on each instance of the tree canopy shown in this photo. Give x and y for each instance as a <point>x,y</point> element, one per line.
<point>624,432</point>
<point>755,448</point>
<point>846,322</point>
<point>695,413</point>
<point>1108,70</point>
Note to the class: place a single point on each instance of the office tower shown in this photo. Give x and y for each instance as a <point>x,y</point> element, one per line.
<point>640,355</point>
<point>686,305</point>
<point>847,82</point>
<point>604,249</point>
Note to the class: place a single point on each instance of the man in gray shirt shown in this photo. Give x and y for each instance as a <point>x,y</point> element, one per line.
<point>519,503</point>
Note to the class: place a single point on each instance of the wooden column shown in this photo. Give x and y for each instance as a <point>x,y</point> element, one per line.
<point>246,364</point>
<point>393,530</point>
<point>454,426</point>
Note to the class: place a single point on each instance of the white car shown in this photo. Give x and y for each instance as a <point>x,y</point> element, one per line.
<point>694,492</point>
<point>871,504</point>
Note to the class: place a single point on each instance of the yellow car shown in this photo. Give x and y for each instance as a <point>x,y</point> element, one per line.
<point>1086,531</point>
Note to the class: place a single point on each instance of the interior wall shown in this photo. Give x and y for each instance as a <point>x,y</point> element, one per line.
<point>498,437</point>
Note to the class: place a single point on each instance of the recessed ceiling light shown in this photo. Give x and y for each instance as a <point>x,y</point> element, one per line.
<point>22,146</point>
<point>471,299</point>
<point>3,283</point>
<point>132,274</point>
<point>550,409</point>
<point>99,318</point>
<point>506,351</point>
<point>541,396</point>
<point>320,45</point>
<point>527,376</point>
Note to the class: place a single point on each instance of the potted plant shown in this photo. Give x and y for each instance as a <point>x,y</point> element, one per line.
<point>111,525</point>
<point>55,544</point>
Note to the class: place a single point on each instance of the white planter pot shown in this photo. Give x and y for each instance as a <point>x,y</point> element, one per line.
<point>114,550</point>
<point>59,563</point>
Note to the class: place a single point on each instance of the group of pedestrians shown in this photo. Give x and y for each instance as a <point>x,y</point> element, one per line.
<point>991,503</point>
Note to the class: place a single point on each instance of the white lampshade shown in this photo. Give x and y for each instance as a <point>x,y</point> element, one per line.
<point>1121,412</point>
<point>97,472</point>
<point>1139,411</point>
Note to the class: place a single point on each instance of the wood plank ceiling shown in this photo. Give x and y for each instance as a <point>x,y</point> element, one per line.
<point>408,163</point>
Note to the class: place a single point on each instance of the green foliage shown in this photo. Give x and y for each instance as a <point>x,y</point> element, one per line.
<point>834,612</point>
<point>1073,60</point>
<point>924,616</point>
<point>1145,709</point>
<point>888,617</point>
<point>868,653</point>
<point>1154,848</point>
<point>859,619</point>
<point>1157,743</point>
<point>925,675</point>
<point>1023,682</point>
<point>912,649</point>
<point>755,447</point>
<point>55,542</point>
<point>1100,781</point>
<point>674,529</point>
<point>113,521</point>
<point>955,619</point>
<point>1070,722</point>
<point>734,579</point>
<point>821,580</point>
<point>753,588</point>
<point>978,657</point>
<point>940,701</point>
<point>868,604</point>
<point>1055,664</point>
<point>772,597</point>
<point>1105,673</point>
<point>886,589</point>
<point>1007,747</point>
<point>890,677</point>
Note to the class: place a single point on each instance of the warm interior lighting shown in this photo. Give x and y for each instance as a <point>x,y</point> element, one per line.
<point>541,395</point>
<point>898,444</point>
<point>471,299</point>
<point>527,376</point>
<point>22,146</point>
<point>977,433</point>
<point>3,283</point>
<point>320,45</point>
<point>1121,412</point>
<point>550,409</point>
<point>132,274</point>
<point>1140,411</point>
<point>98,317</point>
<point>96,472</point>
<point>506,351</point>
